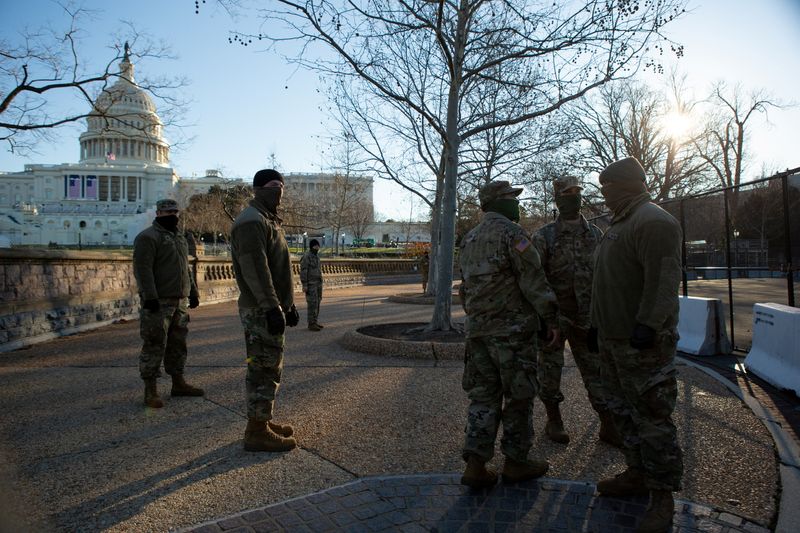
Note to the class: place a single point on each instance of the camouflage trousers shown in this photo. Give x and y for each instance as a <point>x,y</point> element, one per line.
<point>551,362</point>
<point>641,388</point>
<point>264,363</point>
<point>163,335</point>
<point>313,299</point>
<point>500,381</point>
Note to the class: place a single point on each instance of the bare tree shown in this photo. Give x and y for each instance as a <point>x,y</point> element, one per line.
<point>631,119</point>
<point>723,145</point>
<point>361,218</point>
<point>41,70</point>
<point>541,54</point>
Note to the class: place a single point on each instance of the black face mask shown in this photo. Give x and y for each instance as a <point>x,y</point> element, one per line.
<point>270,197</point>
<point>168,222</point>
<point>569,205</point>
<point>315,250</point>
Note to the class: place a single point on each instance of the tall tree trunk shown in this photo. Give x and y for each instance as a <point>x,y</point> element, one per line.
<point>441,320</point>
<point>433,269</point>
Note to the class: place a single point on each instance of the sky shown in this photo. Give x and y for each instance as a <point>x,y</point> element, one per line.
<point>247,103</point>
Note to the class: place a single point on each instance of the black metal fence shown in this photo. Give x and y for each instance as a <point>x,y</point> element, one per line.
<point>742,244</point>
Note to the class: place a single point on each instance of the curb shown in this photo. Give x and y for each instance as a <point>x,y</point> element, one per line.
<point>358,342</point>
<point>787,451</point>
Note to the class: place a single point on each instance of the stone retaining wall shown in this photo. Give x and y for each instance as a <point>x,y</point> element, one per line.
<point>49,293</point>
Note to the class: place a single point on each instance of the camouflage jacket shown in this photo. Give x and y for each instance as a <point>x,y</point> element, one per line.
<point>261,259</point>
<point>161,264</point>
<point>567,254</point>
<point>504,289</point>
<point>310,270</point>
<point>637,272</point>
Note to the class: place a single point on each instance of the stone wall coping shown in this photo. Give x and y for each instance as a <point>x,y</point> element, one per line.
<point>8,255</point>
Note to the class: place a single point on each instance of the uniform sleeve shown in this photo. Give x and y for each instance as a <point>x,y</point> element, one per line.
<point>304,270</point>
<point>540,244</point>
<point>253,262</point>
<point>144,257</point>
<point>531,279</point>
<point>658,249</point>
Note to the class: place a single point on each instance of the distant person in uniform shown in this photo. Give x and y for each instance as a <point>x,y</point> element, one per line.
<point>424,268</point>
<point>635,310</point>
<point>506,296</point>
<point>263,271</point>
<point>566,248</point>
<point>311,280</point>
<point>167,290</point>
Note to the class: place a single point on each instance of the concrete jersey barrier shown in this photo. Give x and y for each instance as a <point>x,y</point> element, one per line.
<point>775,354</point>
<point>701,326</point>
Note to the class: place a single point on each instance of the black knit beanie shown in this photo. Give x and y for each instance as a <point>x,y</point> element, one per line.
<point>313,243</point>
<point>262,177</point>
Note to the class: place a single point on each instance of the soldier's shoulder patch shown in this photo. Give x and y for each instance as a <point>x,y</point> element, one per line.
<point>521,243</point>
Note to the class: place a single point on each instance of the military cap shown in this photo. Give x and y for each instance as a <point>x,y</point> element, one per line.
<point>565,182</point>
<point>624,170</point>
<point>167,204</point>
<point>496,189</point>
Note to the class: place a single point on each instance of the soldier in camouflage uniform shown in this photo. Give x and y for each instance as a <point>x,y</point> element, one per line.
<point>635,310</point>
<point>311,280</point>
<point>566,248</point>
<point>263,271</point>
<point>167,290</point>
<point>424,269</point>
<point>504,293</point>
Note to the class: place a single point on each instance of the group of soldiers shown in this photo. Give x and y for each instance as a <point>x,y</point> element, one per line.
<point>263,270</point>
<point>612,296</point>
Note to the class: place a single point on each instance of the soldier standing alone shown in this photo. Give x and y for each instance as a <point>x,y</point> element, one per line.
<point>311,280</point>
<point>504,293</point>
<point>635,310</point>
<point>264,275</point>
<point>566,248</point>
<point>166,289</point>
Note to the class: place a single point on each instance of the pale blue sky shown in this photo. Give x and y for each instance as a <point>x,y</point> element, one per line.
<point>247,103</point>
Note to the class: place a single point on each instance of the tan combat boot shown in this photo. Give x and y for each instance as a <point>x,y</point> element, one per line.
<point>628,483</point>
<point>151,397</point>
<point>476,475</point>
<point>608,431</point>
<point>258,437</point>
<point>516,471</point>
<point>284,430</point>
<point>658,517</point>
<point>314,327</point>
<point>181,388</point>
<point>554,429</point>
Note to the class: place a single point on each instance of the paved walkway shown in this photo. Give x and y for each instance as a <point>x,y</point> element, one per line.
<point>379,442</point>
<point>439,503</point>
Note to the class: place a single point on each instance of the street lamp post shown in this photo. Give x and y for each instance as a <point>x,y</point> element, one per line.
<point>305,236</point>
<point>342,243</point>
<point>736,247</point>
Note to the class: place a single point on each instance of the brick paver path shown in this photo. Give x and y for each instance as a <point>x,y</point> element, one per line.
<point>439,503</point>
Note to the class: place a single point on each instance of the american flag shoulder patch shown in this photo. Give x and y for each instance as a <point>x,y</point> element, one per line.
<point>522,244</point>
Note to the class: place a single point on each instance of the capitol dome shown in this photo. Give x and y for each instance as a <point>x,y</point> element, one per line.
<point>123,125</point>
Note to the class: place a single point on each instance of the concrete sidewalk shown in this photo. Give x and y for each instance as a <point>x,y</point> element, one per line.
<point>79,451</point>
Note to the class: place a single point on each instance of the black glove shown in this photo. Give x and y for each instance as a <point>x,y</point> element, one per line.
<point>194,301</point>
<point>292,317</point>
<point>151,305</point>
<point>591,340</point>
<point>276,322</point>
<point>643,337</point>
